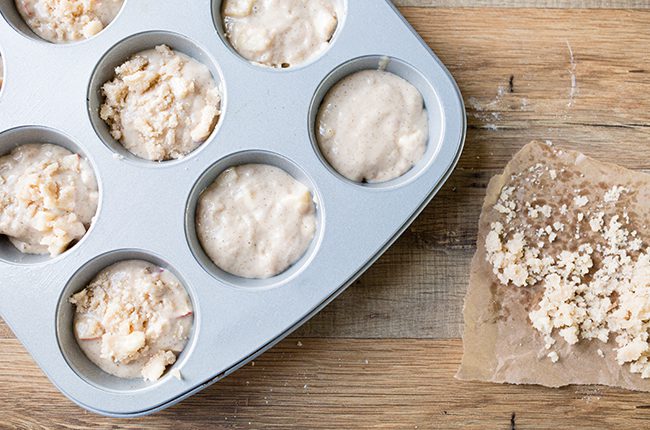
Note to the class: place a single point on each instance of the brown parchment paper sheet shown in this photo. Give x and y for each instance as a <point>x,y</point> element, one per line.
<point>500,344</point>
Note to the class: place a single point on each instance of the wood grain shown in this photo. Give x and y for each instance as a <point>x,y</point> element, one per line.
<point>340,383</point>
<point>586,4</point>
<point>398,315</point>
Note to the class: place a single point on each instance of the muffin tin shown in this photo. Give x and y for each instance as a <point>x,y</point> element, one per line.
<point>146,210</point>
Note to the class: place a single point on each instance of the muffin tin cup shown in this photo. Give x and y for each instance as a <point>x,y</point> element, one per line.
<point>341,7</point>
<point>123,51</point>
<point>10,12</point>
<point>68,344</point>
<point>210,175</point>
<point>146,209</point>
<point>10,140</point>
<point>405,71</point>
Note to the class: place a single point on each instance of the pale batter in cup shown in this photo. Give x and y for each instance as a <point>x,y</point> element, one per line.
<point>63,21</point>
<point>255,220</point>
<point>372,126</point>
<point>48,198</point>
<point>279,33</point>
<point>161,105</point>
<point>133,319</point>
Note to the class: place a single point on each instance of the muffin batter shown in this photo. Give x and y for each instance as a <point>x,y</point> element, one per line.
<point>255,220</point>
<point>161,105</point>
<point>372,126</point>
<point>63,21</point>
<point>48,197</point>
<point>279,33</point>
<point>133,319</point>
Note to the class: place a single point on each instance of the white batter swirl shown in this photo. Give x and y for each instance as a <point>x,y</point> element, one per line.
<point>279,33</point>
<point>372,126</point>
<point>255,220</point>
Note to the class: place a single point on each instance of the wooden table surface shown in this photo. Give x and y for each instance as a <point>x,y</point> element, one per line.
<point>385,353</point>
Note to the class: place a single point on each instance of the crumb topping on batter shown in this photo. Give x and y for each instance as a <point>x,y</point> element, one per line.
<point>48,197</point>
<point>161,105</point>
<point>62,21</point>
<point>133,319</point>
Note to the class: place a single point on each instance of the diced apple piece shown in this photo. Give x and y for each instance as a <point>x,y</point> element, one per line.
<point>156,366</point>
<point>121,348</point>
<point>238,8</point>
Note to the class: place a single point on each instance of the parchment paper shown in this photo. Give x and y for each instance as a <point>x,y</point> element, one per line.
<point>500,344</point>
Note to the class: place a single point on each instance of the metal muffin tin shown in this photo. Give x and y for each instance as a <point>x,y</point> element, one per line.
<point>146,209</point>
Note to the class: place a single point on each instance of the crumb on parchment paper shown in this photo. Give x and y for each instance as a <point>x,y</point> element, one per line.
<point>595,287</point>
<point>539,284</point>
